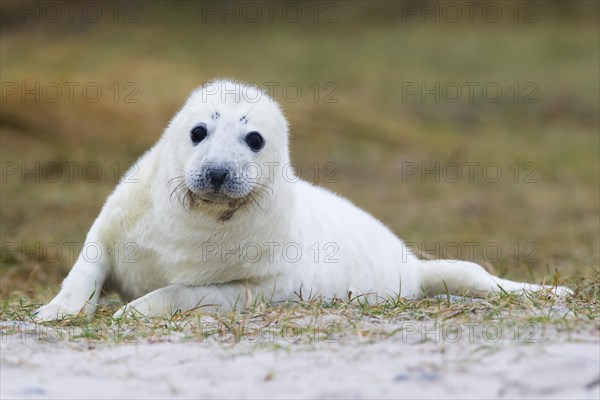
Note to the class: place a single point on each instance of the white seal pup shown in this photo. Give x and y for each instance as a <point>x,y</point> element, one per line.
<point>214,218</point>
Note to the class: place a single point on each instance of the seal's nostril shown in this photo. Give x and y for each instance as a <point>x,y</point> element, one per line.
<point>217,176</point>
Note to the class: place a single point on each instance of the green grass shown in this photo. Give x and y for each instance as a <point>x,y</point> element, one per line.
<point>523,320</point>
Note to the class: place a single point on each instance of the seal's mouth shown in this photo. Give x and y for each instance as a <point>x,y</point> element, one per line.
<point>212,195</point>
<point>189,198</point>
<point>220,201</point>
<point>223,204</point>
<point>215,197</point>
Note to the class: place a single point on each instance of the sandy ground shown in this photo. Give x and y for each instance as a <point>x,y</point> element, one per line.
<point>426,362</point>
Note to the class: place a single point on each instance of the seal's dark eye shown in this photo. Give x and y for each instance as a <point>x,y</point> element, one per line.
<point>255,141</point>
<point>198,133</point>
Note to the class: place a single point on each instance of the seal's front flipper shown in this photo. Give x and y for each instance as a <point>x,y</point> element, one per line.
<point>80,291</point>
<point>173,299</point>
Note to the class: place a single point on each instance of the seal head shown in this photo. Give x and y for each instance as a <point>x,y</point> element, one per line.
<point>226,141</point>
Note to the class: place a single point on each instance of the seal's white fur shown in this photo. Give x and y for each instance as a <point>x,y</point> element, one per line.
<point>290,239</point>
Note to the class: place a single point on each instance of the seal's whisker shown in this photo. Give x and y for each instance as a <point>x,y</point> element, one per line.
<point>177,179</point>
<point>245,116</point>
<point>181,193</point>
<point>255,203</point>
<point>188,201</point>
<point>180,190</point>
<point>263,192</point>
<point>267,190</point>
<point>264,186</point>
<point>213,104</point>
<point>177,191</point>
<point>206,106</point>
<point>262,195</point>
<point>215,113</point>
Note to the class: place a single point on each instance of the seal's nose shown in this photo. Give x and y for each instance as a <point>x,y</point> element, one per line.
<point>217,176</point>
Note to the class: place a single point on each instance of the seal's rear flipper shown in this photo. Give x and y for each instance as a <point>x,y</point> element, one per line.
<point>467,278</point>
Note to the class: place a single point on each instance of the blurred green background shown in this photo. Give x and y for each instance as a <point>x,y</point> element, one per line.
<point>378,99</point>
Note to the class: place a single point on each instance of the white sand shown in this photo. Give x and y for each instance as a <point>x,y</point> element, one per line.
<point>556,365</point>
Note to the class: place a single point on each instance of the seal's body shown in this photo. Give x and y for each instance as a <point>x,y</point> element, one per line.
<point>212,216</point>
